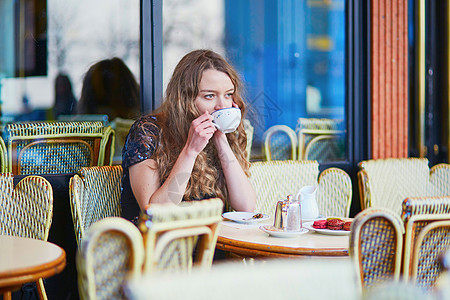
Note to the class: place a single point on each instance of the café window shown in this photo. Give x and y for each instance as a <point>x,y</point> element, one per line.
<point>291,57</point>
<point>48,46</point>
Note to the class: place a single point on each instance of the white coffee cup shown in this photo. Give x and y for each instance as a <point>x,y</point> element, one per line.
<point>227,119</point>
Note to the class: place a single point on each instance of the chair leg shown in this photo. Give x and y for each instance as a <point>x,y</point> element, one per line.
<point>7,296</point>
<point>41,289</point>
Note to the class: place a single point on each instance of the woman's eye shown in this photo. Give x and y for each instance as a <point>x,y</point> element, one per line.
<point>229,95</point>
<point>209,96</point>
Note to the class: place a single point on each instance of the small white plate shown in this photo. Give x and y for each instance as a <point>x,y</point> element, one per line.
<point>243,217</point>
<point>282,233</point>
<point>308,225</point>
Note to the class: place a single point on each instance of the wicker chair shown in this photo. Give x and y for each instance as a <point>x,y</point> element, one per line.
<point>121,128</point>
<point>376,242</point>
<point>112,251</point>
<point>433,240</point>
<point>321,139</point>
<point>3,157</point>
<point>249,132</point>
<point>280,143</point>
<point>26,211</point>
<point>94,195</point>
<point>423,247</point>
<point>274,180</point>
<point>387,182</point>
<point>334,195</point>
<point>443,282</point>
<point>57,147</point>
<point>172,235</point>
<point>440,180</point>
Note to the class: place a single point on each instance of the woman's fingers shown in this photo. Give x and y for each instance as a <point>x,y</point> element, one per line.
<point>204,122</point>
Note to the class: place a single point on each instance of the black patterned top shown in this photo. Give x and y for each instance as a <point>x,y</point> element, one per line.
<point>140,144</point>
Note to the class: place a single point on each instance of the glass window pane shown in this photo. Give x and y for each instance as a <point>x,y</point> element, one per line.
<point>291,56</point>
<point>51,38</point>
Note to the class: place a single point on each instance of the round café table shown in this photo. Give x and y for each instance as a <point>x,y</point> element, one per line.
<point>247,240</point>
<point>25,260</point>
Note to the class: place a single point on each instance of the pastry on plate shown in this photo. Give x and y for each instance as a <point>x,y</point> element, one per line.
<point>335,224</point>
<point>320,224</point>
<point>347,225</point>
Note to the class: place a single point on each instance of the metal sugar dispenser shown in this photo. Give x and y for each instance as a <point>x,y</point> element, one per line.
<point>288,215</point>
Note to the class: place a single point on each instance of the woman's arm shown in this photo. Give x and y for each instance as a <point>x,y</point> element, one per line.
<point>240,191</point>
<point>145,181</point>
<point>144,176</point>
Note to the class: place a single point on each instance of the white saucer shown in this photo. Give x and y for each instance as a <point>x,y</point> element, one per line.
<point>243,217</point>
<point>282,233</point>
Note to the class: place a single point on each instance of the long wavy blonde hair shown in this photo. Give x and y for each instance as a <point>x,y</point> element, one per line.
<point>174,119</point>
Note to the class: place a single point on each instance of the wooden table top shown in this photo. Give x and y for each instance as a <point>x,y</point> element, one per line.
<point>25,260</point>
<point>250,241</point>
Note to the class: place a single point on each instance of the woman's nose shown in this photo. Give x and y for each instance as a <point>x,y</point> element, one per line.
<point>221,103</point>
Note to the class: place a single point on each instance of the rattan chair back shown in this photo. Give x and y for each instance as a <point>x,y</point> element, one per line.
<point>376,242</point>
<point>26,210</point>
<point>249,132</point>
<point>280,143</point>
<point>3,157</point>
<point>275,180</point>
<point>440,180</point>
<point>387,182</point>
<point>94,195</point>
<point>321,139</point>
<point>112,252</point>
<point>57,147</point>
<point>180,237</point>
<point>121,128</point>
<point>334,193</point>
<point>432,241</point>
<point>418,213</point>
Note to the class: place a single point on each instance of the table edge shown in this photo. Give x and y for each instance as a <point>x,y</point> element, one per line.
<point>228,244</point>
<point>25,275</point>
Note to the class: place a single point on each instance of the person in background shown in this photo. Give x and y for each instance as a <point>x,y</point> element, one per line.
<point>65,102</point>
<point>109,87</point>
<point>177,154</point>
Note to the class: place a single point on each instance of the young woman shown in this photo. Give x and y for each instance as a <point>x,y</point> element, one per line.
<point>177,153</point>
